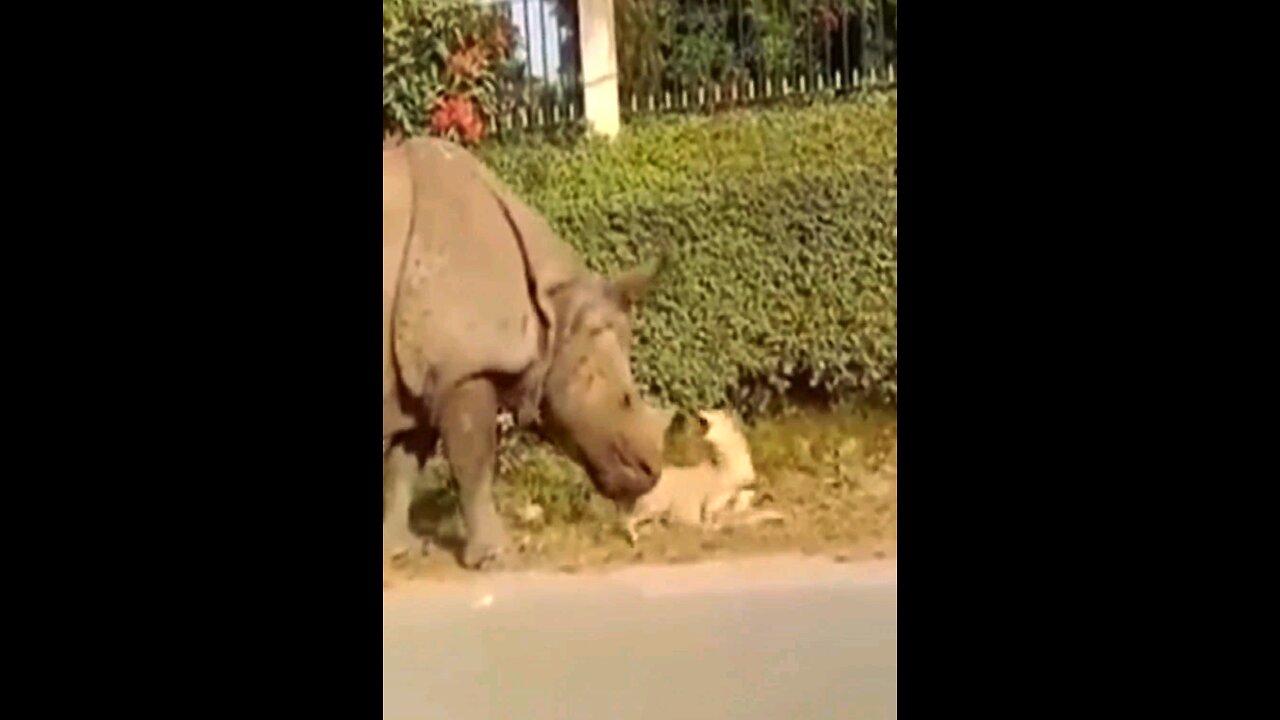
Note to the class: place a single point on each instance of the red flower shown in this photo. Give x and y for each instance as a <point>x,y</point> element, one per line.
<point>468,63</point>
<point>502,38</point>
<point>458,115</point>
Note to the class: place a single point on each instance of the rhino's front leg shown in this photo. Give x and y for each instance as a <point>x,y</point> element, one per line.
<point>469,423</point>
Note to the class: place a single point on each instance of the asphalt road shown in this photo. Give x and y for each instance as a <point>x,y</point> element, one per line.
<point>779,638</point>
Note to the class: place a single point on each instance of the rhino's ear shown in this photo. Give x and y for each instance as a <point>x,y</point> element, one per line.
<point>630,287</point>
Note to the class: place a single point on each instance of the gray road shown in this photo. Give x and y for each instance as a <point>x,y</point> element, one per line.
<point>780,638</point>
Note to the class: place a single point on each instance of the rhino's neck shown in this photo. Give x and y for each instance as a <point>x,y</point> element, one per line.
<point>529,392</point>
<point>570,301</point>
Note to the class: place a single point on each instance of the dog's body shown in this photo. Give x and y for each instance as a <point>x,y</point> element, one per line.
<point>700,494</point>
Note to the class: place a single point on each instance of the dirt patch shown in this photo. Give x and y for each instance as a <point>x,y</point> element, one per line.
<point>832,476</point>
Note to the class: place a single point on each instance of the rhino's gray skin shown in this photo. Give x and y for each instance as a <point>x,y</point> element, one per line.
<point>484,307</point>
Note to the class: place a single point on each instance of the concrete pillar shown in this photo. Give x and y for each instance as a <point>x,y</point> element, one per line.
<point>599,66</point>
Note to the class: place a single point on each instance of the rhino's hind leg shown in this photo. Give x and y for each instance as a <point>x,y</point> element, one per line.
<point>469,423</point>
<point>398,539</point>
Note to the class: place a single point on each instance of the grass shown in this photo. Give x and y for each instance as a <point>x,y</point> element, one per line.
<point>823,469</point>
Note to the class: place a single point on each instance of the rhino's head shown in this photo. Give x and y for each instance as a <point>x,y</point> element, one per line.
<point>594,410</point>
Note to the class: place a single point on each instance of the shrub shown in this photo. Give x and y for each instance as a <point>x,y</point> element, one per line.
<point>782,229</point>
<point>441,60</point>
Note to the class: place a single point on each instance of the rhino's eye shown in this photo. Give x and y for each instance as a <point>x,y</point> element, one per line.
<point>626,401</point>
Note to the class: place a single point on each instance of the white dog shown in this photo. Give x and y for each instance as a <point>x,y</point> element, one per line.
<point>699,495</point>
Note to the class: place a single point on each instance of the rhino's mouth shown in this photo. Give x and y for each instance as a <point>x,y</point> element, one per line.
<point>611,473</point>
<point>622,483</point>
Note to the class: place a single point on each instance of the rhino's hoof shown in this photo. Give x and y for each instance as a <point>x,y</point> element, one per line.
<point>407,551</point>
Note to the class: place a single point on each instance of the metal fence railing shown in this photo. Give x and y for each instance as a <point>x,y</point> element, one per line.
<point>540,87</point>
<point>479,68</point>
<point>695,55</point>
<point>698,55</point>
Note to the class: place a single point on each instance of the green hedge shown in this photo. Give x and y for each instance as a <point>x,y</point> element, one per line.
<point>782,226</point>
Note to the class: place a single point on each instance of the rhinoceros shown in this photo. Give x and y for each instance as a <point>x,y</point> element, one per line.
<point>485,308</point>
